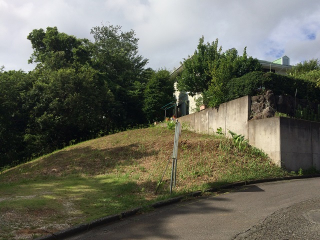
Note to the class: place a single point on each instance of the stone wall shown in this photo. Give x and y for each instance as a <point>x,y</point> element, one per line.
<point>266,105</point>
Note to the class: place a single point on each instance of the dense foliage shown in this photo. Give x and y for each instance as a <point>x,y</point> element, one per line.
<point>14,115</point>
<point>158,93</point>
<point>255,82</point>
<point>209,70</point>
<point>79,90</point>
<point>307,70</point>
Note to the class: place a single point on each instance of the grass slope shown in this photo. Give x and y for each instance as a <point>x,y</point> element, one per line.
<point>116,173</point>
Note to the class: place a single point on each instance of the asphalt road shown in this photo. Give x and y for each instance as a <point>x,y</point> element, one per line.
<point>276,210</point>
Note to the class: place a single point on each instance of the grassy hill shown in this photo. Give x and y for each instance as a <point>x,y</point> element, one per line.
<point>116,173</point>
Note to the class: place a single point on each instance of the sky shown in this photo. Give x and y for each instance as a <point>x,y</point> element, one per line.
<point>169,30</point>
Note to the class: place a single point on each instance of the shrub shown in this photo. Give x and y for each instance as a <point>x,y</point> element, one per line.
<point>255,82</point>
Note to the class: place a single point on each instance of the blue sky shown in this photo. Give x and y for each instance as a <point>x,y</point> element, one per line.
<point>169,30</point>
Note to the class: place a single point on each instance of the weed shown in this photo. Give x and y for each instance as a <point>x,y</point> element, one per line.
<point>280,114</point>
<point>171,125</point>
<point>142,169</point>
<point>185,126</point>
<point>239,141</point>
<point>219,131</point>
<point>311,170</point>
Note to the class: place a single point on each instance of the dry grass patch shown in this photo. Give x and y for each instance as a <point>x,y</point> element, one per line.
<point>116,173</point>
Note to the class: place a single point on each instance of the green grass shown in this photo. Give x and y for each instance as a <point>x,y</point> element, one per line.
<point>112,174</point>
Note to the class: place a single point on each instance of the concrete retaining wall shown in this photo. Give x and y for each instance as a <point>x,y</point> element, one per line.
<point>265,134</point>
<point>290,143</point>
<point>232,116</point>
<point>299,144</point>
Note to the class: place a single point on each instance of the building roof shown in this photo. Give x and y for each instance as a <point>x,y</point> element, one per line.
<point>273,65</point>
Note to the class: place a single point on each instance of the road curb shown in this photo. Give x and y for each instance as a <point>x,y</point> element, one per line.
<point>114,218</point>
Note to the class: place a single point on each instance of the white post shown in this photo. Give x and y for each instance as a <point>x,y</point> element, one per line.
<point>175,154</point>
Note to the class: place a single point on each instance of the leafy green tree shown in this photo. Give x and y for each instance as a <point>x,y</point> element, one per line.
<point>56,50</point>
<point>209,70</point>
<point>67,105</point>
<point>159,92</point>
<point>196,77</point>
<point>313,76</point>
<point>304,67</point>
<point>307,70</point>
<point>229,66</point>
<point>14,116</point>
<point>78,90</point>
<point>115,55</point>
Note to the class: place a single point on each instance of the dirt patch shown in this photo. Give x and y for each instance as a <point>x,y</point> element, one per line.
<point>34,222</point>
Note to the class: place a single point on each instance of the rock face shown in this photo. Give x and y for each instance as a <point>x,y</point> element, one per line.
<point>263,106</point>
<point>266,105</point>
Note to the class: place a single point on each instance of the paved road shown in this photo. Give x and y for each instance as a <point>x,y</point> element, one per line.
<point>277,210</point>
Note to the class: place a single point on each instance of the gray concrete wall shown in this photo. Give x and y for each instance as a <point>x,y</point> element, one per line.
<point>232,116</point>
<point>217,118</point>
<point>290,143</point>
<point>299,144</point>
<point>237,115</point>
<point>203,125</point>
<point>265,134</point>
<point>315,135</point>
<point>189,121</point>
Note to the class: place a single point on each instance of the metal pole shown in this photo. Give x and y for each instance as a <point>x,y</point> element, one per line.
<point>172,174</point>
<point>175,171</point>
<point>175,155</point>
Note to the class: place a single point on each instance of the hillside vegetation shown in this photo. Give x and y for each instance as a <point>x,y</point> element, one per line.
<point>115,173</point>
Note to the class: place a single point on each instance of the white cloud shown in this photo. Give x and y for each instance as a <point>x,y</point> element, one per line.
<point>169,30</point>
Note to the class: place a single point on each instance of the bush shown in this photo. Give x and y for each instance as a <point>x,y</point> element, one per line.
<point>255,82</point>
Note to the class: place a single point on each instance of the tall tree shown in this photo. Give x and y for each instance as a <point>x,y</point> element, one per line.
<point>195,77</point>
<point>78,90</point>
<point>159,92</point>
<point>14,116</point>
<point>56,50</point>
<point>69,101</point>
<point>67,105</point>
<point>307,70</point>
<point>230,65</point>
<point>116,55</point>
<point>209,70</point>
<point>304,67</point>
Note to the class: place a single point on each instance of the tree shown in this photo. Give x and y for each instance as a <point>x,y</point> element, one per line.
<point>14,116</point>
<point>195,77</point>
<point>304,67</point>
<point>307,70</point>
<point>78,90</point>
<point>209,70</point>
<point>70,100</point>
<point>56,50</point>
<point>230,66</point>
<point>115,55</point>
<point>159,92</point>
<point>67,105</point>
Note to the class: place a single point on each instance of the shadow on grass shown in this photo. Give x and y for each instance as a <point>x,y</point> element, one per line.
<point>80,160</point>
